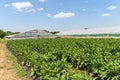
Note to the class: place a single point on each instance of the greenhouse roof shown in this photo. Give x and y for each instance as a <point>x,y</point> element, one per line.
<point>111,30</point>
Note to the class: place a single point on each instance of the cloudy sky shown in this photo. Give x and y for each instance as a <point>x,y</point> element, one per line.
<point>58,15</point>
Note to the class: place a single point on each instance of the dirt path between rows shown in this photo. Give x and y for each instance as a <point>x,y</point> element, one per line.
<point>7,71</point>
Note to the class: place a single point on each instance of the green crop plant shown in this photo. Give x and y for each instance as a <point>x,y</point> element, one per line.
<point>70,59</point>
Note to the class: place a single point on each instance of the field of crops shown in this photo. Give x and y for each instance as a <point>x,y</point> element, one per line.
<point>70,59</point>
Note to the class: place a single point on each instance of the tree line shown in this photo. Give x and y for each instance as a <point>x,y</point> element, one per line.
<point>3,33</point>
<point>52,32</point>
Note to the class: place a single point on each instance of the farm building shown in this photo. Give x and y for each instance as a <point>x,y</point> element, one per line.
<point>32,34</point>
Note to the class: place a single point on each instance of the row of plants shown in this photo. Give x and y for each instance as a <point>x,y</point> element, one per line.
<point>70,59</point>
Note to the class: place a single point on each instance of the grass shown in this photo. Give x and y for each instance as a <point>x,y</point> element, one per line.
<point>2,40</point>
<point>19,71</point>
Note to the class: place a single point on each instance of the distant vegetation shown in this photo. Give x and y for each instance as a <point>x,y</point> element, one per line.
<point>54,32</point>
<point>11,33</point>
<point>3,33</point>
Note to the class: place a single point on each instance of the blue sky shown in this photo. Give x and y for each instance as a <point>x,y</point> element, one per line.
<point>58,15</point>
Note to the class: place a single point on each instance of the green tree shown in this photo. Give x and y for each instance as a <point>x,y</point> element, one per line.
<point>2,34</point>
<point>54,32</point>
<point>11,33</point>
<point>46,31</point>
<point>8,33</point>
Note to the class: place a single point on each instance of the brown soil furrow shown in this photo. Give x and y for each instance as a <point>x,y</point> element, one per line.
<point>7,71</point>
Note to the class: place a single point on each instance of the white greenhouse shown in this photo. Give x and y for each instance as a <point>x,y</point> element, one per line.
<point>32,34</point>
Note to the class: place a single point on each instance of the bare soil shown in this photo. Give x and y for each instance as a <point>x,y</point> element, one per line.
<point>7,70</point>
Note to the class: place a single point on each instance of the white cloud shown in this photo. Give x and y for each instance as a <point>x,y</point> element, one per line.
<point>42,1</point>
<point>40,9</point>
<point>64,15</point>
<point>48,15</point>
<point>112,7</point>
<point>20,6</point>
<point>106,14</point>
<point>31,10</point>
<point>6,5</point>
